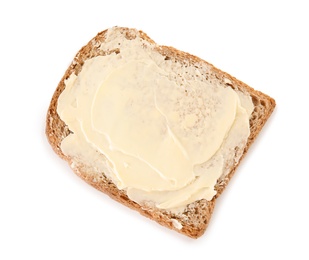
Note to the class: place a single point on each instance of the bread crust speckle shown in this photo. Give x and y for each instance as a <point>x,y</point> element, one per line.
<point>196,217</point>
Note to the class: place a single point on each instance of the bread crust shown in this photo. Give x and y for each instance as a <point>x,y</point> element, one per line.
<point>196,217</point>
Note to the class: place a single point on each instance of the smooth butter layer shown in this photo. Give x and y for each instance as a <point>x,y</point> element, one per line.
<point>164,141</point>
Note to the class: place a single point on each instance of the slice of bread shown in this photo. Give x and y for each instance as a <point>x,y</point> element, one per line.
<point>194,219</point>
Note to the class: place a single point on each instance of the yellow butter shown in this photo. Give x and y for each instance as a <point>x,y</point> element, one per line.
<point>165,140</point>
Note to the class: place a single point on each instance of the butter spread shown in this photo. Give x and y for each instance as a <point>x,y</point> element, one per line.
<point>176,223</point>
<point>161,137</point>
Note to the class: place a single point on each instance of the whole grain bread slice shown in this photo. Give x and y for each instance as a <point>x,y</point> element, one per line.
<point>194,220</point>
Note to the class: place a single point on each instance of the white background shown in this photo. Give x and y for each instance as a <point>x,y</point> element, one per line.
<point>46,212</point>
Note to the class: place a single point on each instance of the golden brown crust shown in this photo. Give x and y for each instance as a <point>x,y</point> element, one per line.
<point>197,215</point>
